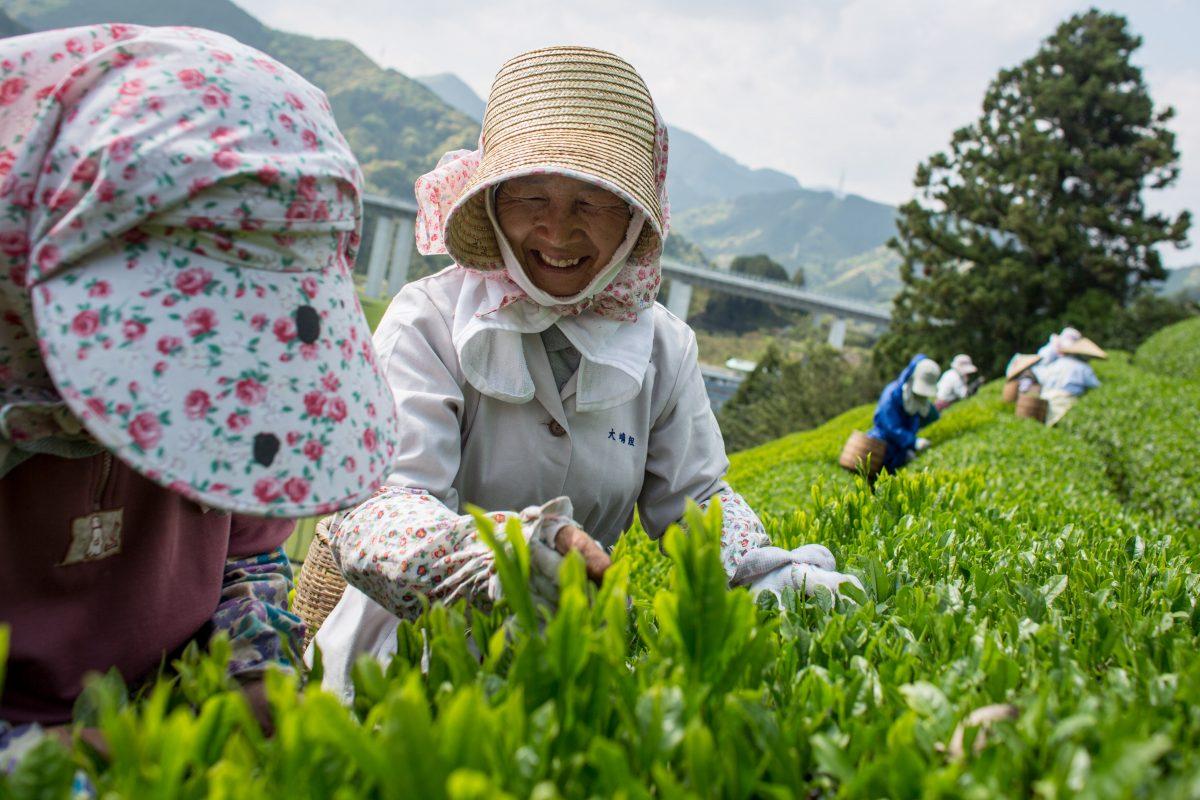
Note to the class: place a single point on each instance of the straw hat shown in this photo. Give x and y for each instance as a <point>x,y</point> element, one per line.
<point>568,110</point>
<point>1019,363</point>
<point>1082,347</point>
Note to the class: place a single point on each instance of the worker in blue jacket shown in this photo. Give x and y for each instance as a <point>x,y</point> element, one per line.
<point>905,407</point>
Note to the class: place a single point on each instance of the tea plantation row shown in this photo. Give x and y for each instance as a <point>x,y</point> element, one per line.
<point>1051,570</point>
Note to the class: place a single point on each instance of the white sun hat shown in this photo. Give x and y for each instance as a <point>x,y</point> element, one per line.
<point>963,365</point>
<point>925,378</point>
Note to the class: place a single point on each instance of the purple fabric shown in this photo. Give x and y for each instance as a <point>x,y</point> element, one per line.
<point>126,610</point>
<point>253,612</point>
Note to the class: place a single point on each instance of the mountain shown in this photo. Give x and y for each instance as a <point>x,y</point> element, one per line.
<point>219,15</point>
<point>397,127</point>
<point>455,93</point>
<point>798,228</point>
<point>1184,281</point>
<point>698,173</point>
<point>873,277</point>
<point>679,248</point>
<point>8,27</point>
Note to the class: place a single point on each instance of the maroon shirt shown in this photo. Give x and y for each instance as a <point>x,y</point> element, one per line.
<point>100,568</point>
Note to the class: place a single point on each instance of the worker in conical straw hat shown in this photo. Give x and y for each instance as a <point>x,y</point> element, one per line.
<point>1054,346</point>
<point>537,377</point>
<point>906,406</point>
<point>1020,369</point>
<point>1069,376</point>
<point>183,364</point>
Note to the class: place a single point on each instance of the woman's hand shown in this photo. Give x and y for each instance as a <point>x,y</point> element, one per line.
<point>773,569</point>
<point>803,578</point>
<point>597,561</point>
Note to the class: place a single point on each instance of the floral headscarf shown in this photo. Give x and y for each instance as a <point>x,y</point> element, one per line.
<point>178,222</point>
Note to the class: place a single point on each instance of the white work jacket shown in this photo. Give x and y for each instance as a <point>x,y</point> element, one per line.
<point>654,452</point>
<point>458,446</point>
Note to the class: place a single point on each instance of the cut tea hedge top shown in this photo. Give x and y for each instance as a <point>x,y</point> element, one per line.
<point>180,221</point>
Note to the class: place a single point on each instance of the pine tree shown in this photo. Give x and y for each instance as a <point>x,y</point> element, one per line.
<point>1038,206</point>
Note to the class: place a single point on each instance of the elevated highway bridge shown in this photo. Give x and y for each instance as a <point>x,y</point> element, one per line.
<point>386,269</point>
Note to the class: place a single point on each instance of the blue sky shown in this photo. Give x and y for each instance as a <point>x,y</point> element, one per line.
<point>856,92</point>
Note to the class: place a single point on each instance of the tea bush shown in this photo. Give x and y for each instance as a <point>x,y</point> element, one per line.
<point>1173,352</point>
<point>1054,570</point>
<point>1146,425</point>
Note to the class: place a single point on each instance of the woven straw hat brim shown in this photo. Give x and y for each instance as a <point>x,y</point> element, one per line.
<point>574,111</point>
<point>1084,347</point>
<point>1020,364</point>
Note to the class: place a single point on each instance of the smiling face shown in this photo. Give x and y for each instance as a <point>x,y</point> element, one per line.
<point>563,231</point>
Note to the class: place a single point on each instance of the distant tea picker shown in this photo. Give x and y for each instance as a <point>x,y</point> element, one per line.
<point>1047,385</point>
<point>1058,344</point>
<point>1068,376</point>
<point>905,406</point>
<point>957,383</point>
<point>1019,378</point>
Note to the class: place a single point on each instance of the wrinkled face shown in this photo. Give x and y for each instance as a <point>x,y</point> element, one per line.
<point>563,231</point>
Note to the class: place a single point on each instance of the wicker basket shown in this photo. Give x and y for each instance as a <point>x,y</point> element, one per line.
<point>320,585</point>
<point>1031,406</point>
<point>863,453</point>
<point>1012,389</point>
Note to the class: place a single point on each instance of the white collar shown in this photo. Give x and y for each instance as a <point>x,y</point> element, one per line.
<point>614,355</point>
<point>603,278</point>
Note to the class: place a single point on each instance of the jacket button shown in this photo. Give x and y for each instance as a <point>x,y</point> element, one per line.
<point>556,429</point>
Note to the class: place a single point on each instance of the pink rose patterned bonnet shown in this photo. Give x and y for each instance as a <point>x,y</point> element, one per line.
<point>178,222</point>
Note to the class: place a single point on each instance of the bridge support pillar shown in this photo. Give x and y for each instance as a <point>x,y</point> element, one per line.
<point>679,299</point>
<point>837,333</point>
<point>381,251</point>
<point>402,248</point>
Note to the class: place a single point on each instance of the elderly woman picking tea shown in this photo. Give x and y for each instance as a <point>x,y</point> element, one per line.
<point>1069,376</point>
<point>537,377</point>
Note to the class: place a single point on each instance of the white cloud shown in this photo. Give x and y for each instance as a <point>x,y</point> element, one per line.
<point>864,88</point>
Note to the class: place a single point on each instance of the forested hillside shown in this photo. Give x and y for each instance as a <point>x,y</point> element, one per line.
<point>397,127</point>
